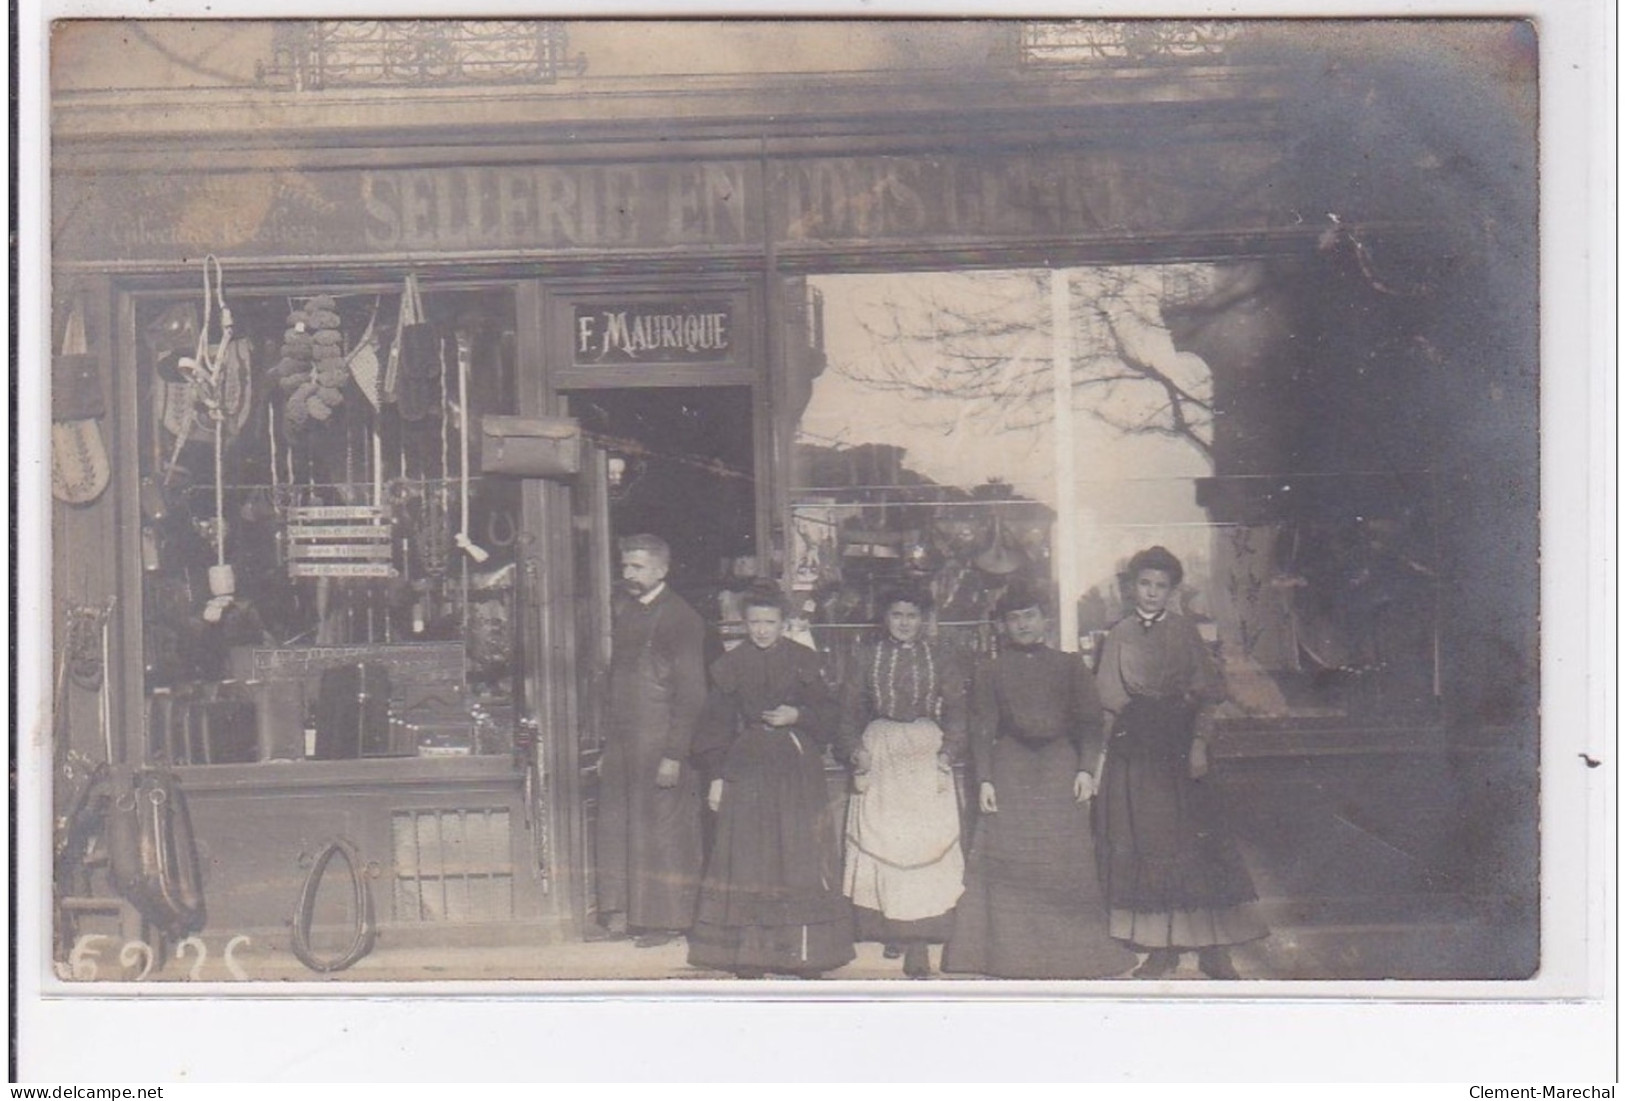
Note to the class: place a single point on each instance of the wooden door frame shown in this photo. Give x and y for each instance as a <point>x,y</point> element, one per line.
<point>556,672</point>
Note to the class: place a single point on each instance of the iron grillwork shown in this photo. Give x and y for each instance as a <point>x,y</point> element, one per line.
<point>418,53</point>
<point>453,865</point>
<point>1126,42</point>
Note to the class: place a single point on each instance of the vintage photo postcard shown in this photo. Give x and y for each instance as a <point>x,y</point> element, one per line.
<point>913,507</point>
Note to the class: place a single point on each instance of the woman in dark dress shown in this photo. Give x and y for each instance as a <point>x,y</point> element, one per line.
<point>770,901</point>
<point>1173,878</point>
<point>1032,907</point>
<point>903,727</point>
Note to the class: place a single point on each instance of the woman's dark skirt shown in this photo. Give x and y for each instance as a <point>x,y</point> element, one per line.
<point>1169,867</point>
<point>771,898</point>
<point>1032,907</point>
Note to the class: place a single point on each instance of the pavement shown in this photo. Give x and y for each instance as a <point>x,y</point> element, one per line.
<point>1364,869</point>
<point>1303,952</point>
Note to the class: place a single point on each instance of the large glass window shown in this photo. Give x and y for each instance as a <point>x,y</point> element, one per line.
<point>925,453</point>
<point>324,572</point>
<point>963,429</point>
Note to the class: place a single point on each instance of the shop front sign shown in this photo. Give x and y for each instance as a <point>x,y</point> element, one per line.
<point>809,203</point>
<point>665,332</point>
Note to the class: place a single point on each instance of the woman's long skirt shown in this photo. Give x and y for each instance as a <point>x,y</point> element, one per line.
<point>905,868</point>
<point>771,898</point>
<point>1169,867</point>
<point>1032,907</point>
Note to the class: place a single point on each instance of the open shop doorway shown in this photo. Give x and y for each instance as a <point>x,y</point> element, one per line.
<point>681,466</point>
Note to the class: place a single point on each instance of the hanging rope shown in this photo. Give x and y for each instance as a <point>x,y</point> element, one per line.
<point>219,490</point>
<point>214,295</point>
<point>212,363</point>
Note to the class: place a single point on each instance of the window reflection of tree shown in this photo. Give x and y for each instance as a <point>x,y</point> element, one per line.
<point>986,346</point>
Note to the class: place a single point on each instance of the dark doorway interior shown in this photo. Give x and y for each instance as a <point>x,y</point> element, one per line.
<point>682,466</point>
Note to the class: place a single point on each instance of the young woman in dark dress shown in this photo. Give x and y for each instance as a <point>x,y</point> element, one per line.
<point>1173,878</point>
<point>1032,907</point>
<point>771,898</point>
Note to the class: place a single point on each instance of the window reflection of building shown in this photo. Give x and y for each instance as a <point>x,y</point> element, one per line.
<point>1329,613</point>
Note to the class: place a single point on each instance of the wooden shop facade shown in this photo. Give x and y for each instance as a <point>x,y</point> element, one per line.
<point>954,302</point>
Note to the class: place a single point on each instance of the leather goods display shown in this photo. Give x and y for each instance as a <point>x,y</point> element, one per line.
<point>426,683</point>
<point>352,712</point>
<point>206,724</point>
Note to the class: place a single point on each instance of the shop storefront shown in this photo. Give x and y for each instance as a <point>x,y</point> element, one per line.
<point>361,547</point>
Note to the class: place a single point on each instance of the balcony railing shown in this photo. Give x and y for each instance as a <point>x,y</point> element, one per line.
<point>418,53</point>
<point>1126,42</point>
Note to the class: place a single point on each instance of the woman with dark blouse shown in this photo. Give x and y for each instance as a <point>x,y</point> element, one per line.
<point>902,728</point>
<point>770,901</point>
<point>1173,878</point>
<point>1032,907</point>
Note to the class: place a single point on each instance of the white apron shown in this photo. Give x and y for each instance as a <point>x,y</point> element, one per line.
<point>903,856</point>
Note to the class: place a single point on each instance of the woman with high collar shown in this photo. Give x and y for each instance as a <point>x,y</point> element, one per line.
<point>902,728</point>
<point>1032,907</point>
<point>771,901</point>
<point>1173,877</point>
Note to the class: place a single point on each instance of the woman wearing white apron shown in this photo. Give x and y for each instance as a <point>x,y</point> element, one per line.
<point>902,728</point>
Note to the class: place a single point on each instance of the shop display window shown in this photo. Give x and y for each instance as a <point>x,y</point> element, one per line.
<point>325,575</point>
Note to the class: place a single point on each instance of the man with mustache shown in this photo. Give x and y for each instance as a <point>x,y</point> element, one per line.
<point>649,843</point>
